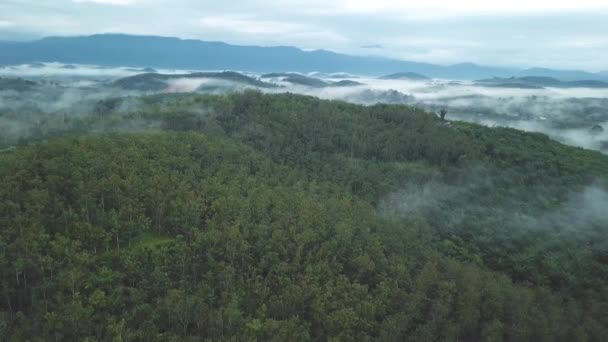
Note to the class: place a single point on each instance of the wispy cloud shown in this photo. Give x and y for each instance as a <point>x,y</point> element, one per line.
<point>107,2</point>
<point>283,32</point>
<point>247,25</point>
<point>443,7</point>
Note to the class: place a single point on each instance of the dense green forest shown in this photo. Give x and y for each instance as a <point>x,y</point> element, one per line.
<point>188,217</point>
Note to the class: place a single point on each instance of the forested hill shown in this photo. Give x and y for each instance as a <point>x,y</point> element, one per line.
<point>283,217</point>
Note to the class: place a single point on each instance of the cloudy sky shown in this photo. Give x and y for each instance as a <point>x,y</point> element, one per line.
<point>523,33</point>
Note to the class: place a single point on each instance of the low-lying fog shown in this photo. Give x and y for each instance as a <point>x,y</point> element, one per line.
<point>575,116</point>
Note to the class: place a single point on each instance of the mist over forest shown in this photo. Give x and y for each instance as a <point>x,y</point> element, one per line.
<point>144,204</point>
<point>574,115</point>
<point>320,170</point>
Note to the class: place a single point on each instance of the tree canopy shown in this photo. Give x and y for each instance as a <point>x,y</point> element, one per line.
<point>284,217</point>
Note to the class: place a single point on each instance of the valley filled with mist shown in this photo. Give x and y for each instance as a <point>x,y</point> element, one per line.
<point>570,112</point>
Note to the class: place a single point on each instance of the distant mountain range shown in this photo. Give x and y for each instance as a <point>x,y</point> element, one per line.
<point>537,82</point>
<point>174,53</point>
<point>411,76</point>
<point>564,75</point>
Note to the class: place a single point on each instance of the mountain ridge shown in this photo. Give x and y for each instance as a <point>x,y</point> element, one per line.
<point>405,76</point>
<point>176,53</point>
<point>541,82</point>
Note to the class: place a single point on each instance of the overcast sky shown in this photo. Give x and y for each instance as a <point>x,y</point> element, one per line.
<point>558,34</point>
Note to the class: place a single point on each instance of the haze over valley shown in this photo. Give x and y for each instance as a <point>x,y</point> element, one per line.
<point>572,112</point>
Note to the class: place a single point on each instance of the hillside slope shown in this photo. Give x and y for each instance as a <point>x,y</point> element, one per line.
<point>254,216</point>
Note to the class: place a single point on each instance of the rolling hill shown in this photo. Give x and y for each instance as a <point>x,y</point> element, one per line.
<point>159,82</point>
<point>298,79</point>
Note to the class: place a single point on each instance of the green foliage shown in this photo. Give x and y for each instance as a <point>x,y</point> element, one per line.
<point>283,217</point>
